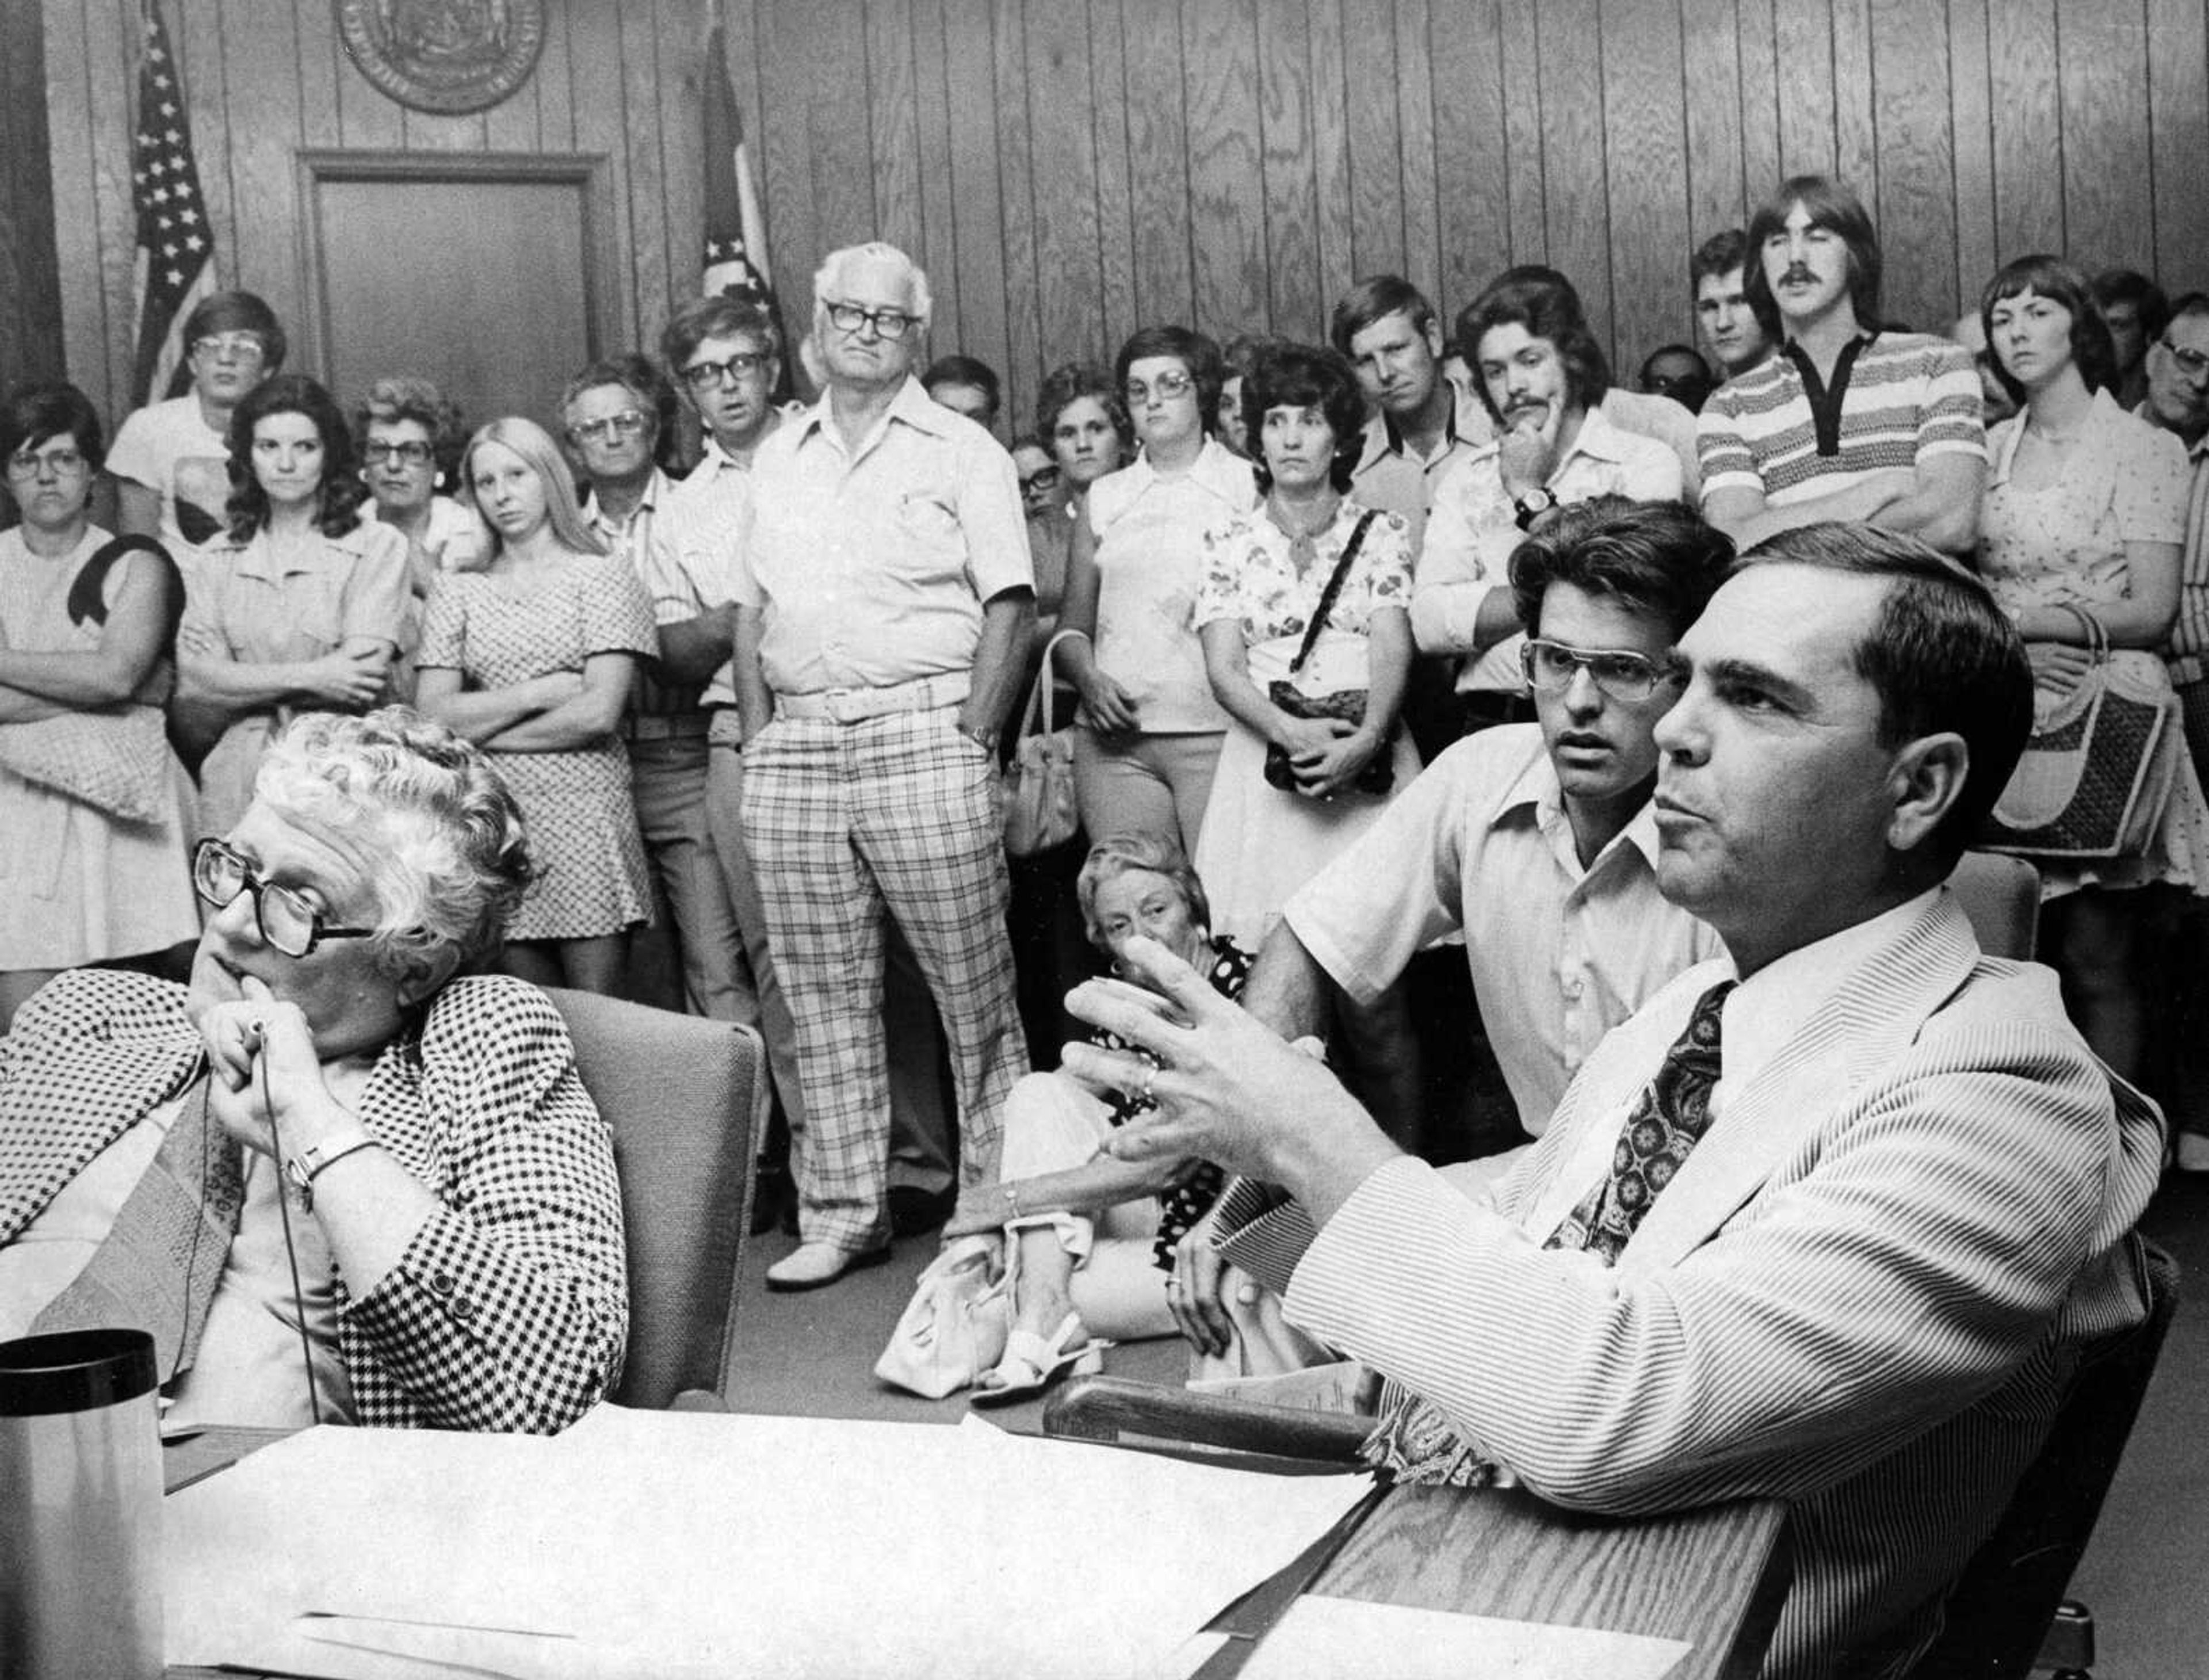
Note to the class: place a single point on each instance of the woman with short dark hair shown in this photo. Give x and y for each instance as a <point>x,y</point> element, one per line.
<point>86,625</point>
<point>299,606</point>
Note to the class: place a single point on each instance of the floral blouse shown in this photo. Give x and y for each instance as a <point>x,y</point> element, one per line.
<point>1250,577</point>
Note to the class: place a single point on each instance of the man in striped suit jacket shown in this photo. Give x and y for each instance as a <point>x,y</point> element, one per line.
<point>1865,1288</point>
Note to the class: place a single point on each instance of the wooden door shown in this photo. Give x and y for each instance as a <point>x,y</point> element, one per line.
<point>486,275</point>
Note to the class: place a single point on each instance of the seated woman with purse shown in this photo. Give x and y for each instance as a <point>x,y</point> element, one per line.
<point>1089,1240</point>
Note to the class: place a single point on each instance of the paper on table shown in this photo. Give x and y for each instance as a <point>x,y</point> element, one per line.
<point>772,1544</point>
<point>1323,1638</point>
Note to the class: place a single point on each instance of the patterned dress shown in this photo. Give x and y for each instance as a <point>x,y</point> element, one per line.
<point>1182,1207</point>
<point>2063,543</point>
<point>581,822</point>
<point>1258,844</point>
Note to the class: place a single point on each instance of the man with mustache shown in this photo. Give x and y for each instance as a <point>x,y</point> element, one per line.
<point>1847,421</point>
<point>1541,376</point>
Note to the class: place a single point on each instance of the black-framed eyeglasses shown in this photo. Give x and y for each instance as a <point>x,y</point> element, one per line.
<point>287,922</point>
<point>627,423</point>
<point>62,463</point>
<point>1551,667</point>
<point>1168,386</point>
<point>889,323</point>
<point>1040,482</point>
<point>412,453</point>
<point>703,376</point>
<point>2193,363</point>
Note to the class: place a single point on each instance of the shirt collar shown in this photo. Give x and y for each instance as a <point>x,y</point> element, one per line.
<point>715,459</point>
<point>1216,468</point>
<point>912,405</point>
<point>1770,1006</point>
<point>655,487</point>
<point>1536,789</point>
<point>2011,433</point>
<point>1599,438</point>
<point>258,559</point>
<point>2145,411</point>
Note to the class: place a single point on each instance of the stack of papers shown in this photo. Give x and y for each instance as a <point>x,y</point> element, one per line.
<point>678,1545</point>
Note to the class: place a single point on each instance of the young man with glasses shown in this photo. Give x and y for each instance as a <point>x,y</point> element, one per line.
<point>614,412</point>
<point>171,459</point>
<point>883,598</point>
<point>1535,841</point>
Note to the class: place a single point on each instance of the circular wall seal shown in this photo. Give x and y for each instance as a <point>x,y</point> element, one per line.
<point>444,55</point>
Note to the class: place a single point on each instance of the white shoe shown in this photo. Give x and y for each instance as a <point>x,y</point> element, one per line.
<point>810,1265</point>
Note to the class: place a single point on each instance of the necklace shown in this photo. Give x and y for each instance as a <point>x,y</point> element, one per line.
<point>1302,550</point>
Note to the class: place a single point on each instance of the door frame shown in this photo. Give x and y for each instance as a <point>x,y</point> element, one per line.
<point>590,172</point>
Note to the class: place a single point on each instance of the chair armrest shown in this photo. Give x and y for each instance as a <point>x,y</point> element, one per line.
<point>1109,1408</point>
<point>697,1399</point>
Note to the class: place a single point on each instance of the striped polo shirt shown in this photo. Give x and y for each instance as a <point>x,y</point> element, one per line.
<point>1895,400</point>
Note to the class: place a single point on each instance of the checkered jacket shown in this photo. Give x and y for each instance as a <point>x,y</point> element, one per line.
<point>508,1309</point>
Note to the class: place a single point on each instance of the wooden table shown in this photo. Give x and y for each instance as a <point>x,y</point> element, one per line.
<point>1714,1578</point>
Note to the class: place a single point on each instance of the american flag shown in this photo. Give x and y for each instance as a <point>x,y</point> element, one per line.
<point>736,236</point>
<point>176,249</point>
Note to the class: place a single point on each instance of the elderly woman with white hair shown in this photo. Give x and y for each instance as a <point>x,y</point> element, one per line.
<point>393,1199</point>
<point>533,657</point>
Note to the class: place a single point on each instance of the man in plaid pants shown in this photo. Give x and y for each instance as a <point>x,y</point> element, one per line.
<point>883,598</point>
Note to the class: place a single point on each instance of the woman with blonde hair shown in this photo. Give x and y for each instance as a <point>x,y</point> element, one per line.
<point>533,657</point>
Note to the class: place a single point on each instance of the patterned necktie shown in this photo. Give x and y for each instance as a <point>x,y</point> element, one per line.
<point>1414,1439</point>
<point>158,1268</point>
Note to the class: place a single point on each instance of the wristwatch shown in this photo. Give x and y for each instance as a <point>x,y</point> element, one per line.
<point>303,1168</point>
<point>1531,506</point>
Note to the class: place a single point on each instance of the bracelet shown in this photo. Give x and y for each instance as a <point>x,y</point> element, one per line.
<point>316,1159</point>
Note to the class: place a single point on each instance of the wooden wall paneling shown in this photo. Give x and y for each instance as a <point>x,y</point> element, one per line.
<point>931,103</point>
<point>1573,160</point>
<point>2029,154</point>
<point>1289,172</point>
<point>1803,40</point>
<point>84,307</point>
<point>1018,187</point>
<point>369,120</point>
<point>1645,177</point>
<point>1219,61</point>
<point>1710,100</point>
<point>1069,269</point>
<point>1471,164</point>
<point>1917,175</point>
<point>1335,232</point>
<point>892,117</point>
<point>261,62</point>
<point>1117,314</point>
<point>783,145</point>
<point>1375,138</point>
<point>2108,199</point>
<point>1971,132</point>
<point>843,151</point>
<point>642,93</point>
<point>2178,125</point>
<point>1159,164</point>
<point>1415,93</point>
<point>595,40</point>
<point>1525,166</point>
<point>978,198</point>
<point>30,287</point>
<point>681,115</point>
<point>319,53</point>
<point>113,40</point>
<point>554,76</point>
<point>1761,148</point>
<point>196,34</point>
<point>437,131</point>
<point>1856,140</point>
<point>512,125</point>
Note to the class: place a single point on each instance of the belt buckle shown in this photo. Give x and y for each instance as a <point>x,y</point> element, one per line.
<point>848,705</point>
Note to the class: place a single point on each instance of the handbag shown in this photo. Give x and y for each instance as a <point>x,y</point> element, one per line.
<point>954,1327</point>
<point>1039,809</point>
<point>2099,767</point>
<point>1379,774</point>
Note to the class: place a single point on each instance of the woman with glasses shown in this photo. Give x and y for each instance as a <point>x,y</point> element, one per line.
<point>1149,733</point>
<point>410,438</point>
<point>299,605</point>
<point>171,458</point>
<point>85,629</point>
<point>356,1188</point>
<point>2080,538</point>
<point>533,659</point>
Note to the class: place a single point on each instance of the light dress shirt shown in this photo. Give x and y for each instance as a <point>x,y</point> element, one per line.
<point>870,566</point>
<point>1395,478</point>
<point>1473,528</point>
<point>2189,633</point>
<point>1150,530</point>
<point>1559,954</point>
<point>690,564</point>
<point>633,538</point>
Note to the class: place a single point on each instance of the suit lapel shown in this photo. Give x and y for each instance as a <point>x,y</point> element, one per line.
<point>1863,1029</point>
